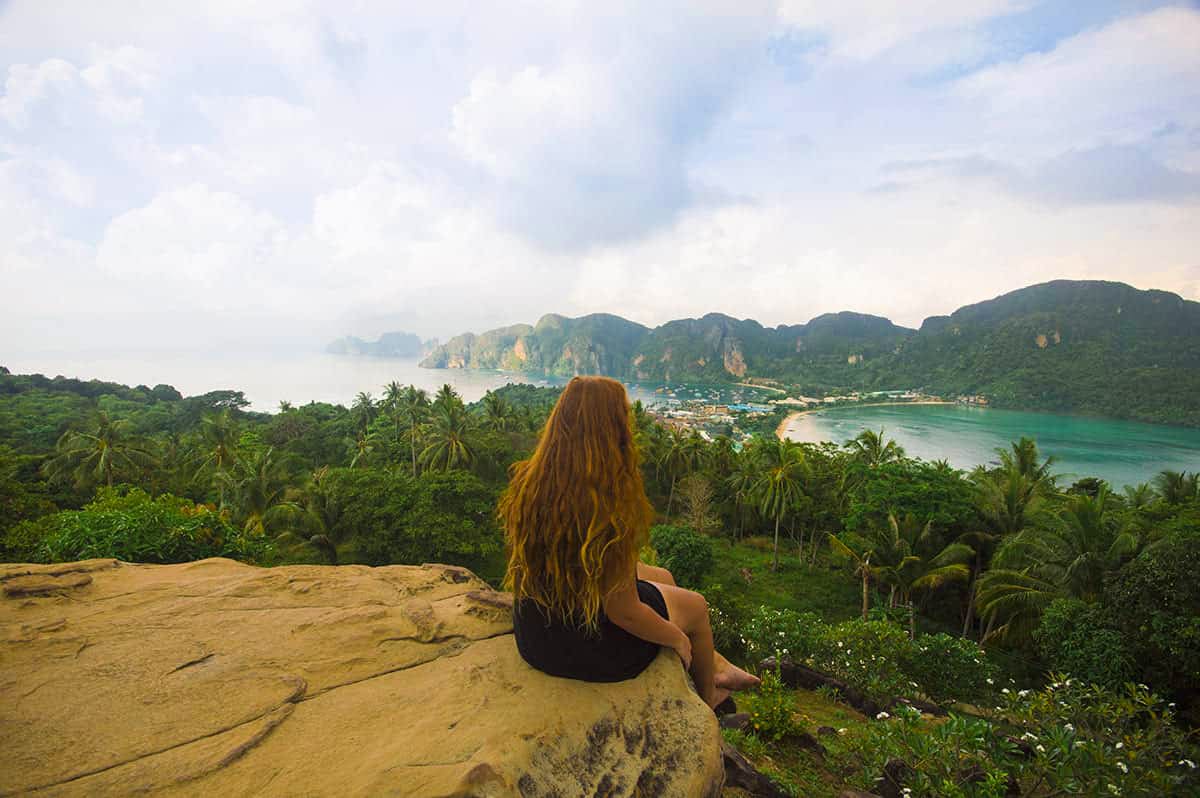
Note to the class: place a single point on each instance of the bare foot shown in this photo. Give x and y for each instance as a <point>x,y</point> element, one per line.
<point>734,678</point>
<point>718,697</point>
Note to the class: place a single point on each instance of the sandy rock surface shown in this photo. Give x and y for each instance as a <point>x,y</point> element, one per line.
<point>218,678</point>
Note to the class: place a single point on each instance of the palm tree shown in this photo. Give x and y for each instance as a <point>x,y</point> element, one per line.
<point>497,412</point>
<point>259,485</point>
<point>909,556</point>
<point>446,396</point>
<point>364,410</point>
<point>284,405</point>
<point>1140,496</point>
<point>364,445</point>
<point>1023,457</point>
<point>1069,556</point>
<point>451,438</point>
<point>873,449</point>
<point>393,395</point>
<point>780,484</point>
<point>1176,487</point>
<point>861,563</point>
<point>414,407</point>
<point>741,481</point>
<point>315,517</point>
<point>218,452</point>
<point>106,448</point>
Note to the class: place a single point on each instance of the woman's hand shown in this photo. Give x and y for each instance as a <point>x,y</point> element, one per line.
<point>683,647</point>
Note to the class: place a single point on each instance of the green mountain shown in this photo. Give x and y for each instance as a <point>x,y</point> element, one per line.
<point>1085,346</point>
<point>1079,346</point>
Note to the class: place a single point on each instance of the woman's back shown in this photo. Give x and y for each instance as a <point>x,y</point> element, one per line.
<point>569,649</point>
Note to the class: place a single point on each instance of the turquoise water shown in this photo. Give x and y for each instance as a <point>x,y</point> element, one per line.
<point>1121,452</point>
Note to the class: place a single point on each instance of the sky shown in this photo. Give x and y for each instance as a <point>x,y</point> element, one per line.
<point>200,176</point>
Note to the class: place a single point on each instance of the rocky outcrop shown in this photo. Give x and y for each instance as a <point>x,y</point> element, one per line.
<point>219,678</point>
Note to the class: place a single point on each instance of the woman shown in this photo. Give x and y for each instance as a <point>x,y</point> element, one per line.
<point>576,515</point>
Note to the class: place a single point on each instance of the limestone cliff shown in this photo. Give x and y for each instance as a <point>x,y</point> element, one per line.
<point>218,678</point>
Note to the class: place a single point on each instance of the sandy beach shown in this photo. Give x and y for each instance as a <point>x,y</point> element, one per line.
<point>788,418</point>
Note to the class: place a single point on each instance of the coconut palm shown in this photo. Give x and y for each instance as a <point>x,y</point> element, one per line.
<point>364,446</point>
<point>105,449</point>
<point>218,449</point>
<point>284,405</point>
<point>873,449</point>
<point>741,481</point>
<point>315,517</point>
<point>1139,496</point>
<point>414,408</point>
<point>781,483</point>
<point>861,562</point>
<point>258,485</point>
<point>393,396</point>
<point>1068,556</point>
<point>364,410</point>
<point>497,412</point>
<point>1023,457</point>
<point>1176,487</point>
<point>451,435</point>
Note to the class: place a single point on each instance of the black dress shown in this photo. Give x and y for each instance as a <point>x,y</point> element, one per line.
<point>563,649</point>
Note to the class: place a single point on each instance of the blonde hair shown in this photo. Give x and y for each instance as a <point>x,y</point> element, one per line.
<point>575,514</point>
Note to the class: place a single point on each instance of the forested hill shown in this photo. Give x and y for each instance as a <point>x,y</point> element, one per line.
<point>1080,346</point>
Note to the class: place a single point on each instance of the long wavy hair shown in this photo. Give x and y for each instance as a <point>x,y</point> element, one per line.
<point>575,514</point>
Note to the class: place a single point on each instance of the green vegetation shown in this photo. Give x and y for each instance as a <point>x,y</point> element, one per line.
<point>896,577</point>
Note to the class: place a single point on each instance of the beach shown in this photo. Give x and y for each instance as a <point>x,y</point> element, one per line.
<point>797,413</point>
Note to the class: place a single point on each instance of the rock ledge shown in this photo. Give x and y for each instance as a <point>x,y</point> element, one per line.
<point>219,678</point>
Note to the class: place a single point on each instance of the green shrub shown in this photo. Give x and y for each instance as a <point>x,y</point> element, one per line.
<point>132,526</point>
<point>687,554</point>
<point>790,633</point>
<point>869,655</point>
<point>1068,739</point>
<point>1074,637</point>
<point>949,669</point>
<point>772,709</point>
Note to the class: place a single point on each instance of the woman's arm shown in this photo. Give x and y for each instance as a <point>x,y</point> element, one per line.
<point>625,608</point>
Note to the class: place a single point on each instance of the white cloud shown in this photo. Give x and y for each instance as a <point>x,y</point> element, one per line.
<point>860,30</point>
<point>1114,85</point>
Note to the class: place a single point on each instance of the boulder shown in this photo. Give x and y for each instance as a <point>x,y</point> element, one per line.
<point>220,678</point>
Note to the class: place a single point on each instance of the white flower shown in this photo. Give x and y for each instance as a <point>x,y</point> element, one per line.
<point>1188,762</point>
<point>1079,743</point>
<point>841,731</point>
<point>882,716</point>
<point>906,791</point>
<point>1114,789</point>
<point>1069,727</point>
<point>1120,746</point>
<point>1041,749</point>
<point>991,681</point>
<point>839,644</point>
<point>1028,736</point>
<point>1124,768</point>
<point>1004,690</point>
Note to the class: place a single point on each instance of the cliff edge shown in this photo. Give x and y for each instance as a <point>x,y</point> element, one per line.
<point>219,678</point>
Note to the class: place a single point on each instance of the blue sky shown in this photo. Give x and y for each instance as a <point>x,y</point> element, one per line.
<point>225,172</point>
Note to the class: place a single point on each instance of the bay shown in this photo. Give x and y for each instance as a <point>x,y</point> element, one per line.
<point>268,378</point>
<point>1120,452</point>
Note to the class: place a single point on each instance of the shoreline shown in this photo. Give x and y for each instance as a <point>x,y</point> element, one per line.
<point>796,413</point>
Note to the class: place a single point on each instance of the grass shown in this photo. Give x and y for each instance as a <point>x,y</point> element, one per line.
<point>797,770</point>
<point>826,588</point>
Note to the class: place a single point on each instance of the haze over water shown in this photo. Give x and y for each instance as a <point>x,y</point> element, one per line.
<point>1121,452</point>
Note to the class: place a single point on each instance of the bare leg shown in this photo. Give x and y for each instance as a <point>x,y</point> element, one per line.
<point>689,611</point>
<point>727,676</point>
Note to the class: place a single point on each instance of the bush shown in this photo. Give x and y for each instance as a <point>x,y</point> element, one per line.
<point>133,527</point>
<point>790,633</point>
<point>869,655</point>
<point>950,669</point>
<point>875,657</point>
<point>686,554</point>
<point>1068,739</point>
<point>1074,637</point>
<point>772,708</point>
